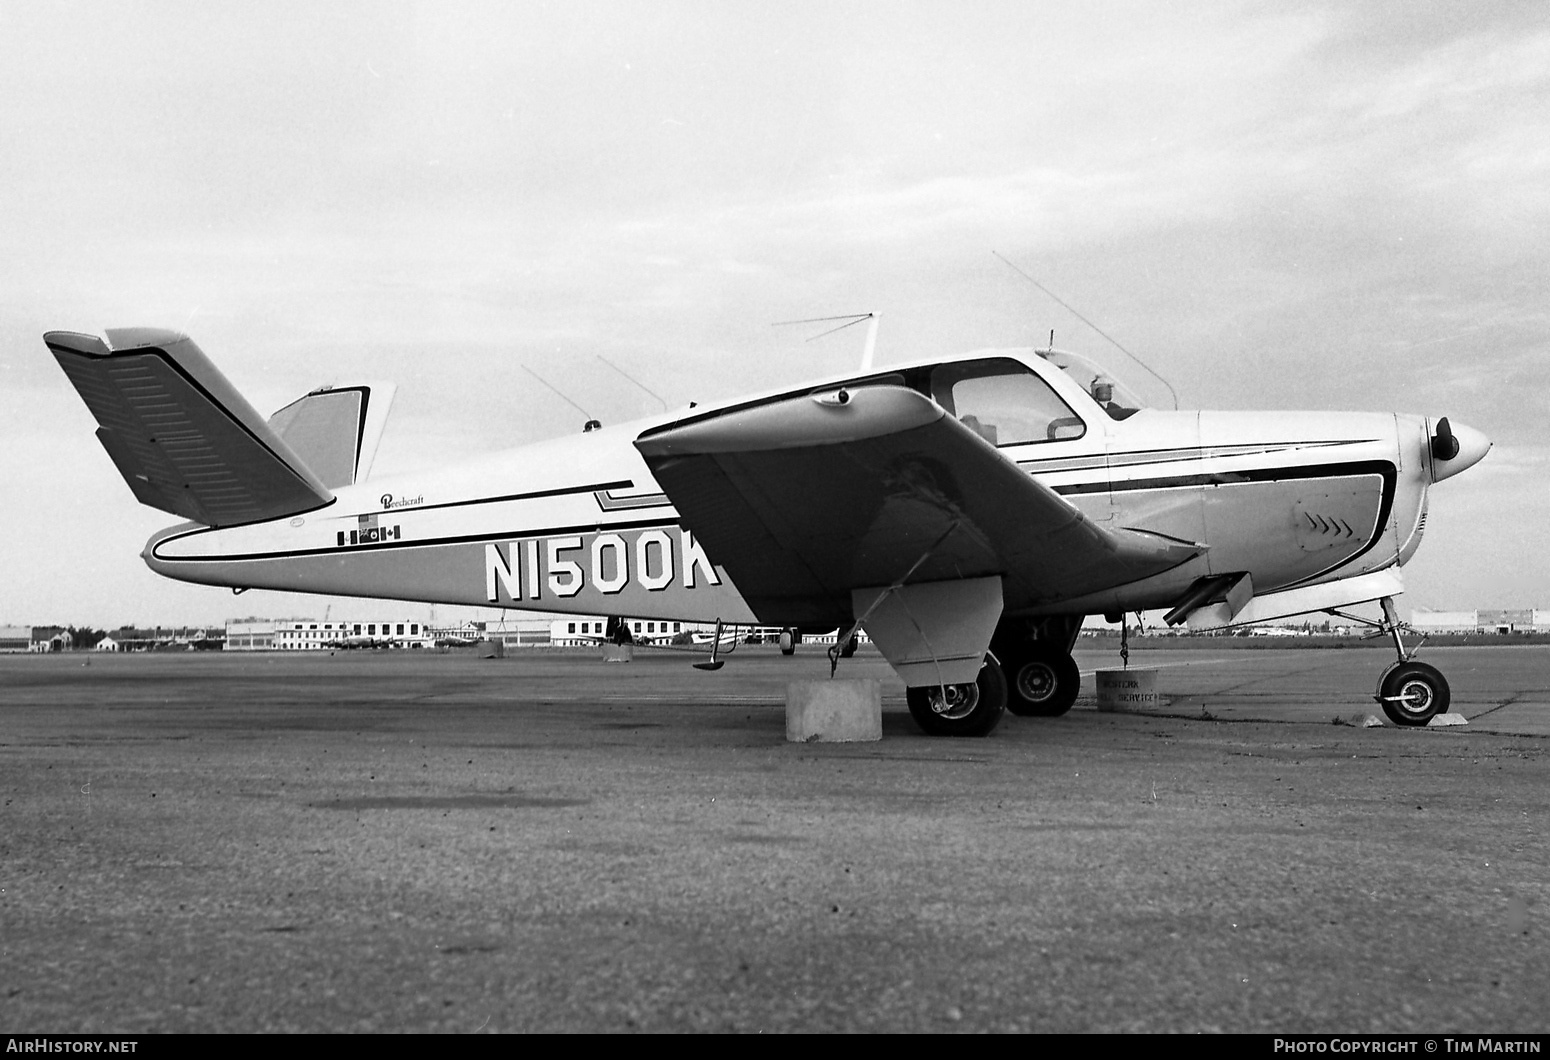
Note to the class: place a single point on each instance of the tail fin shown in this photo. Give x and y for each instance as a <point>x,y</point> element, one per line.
<point>335,430</point>
<point>180,434</point>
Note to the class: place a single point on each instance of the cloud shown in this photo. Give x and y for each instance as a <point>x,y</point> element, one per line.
<point>1305,205</point>
<point>1462,75</point>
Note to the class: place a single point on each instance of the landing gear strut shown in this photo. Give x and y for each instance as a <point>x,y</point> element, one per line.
<point>1411,693</point>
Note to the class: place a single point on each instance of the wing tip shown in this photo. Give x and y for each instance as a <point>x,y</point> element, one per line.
<point>76,342</point>
<point>111,341</point>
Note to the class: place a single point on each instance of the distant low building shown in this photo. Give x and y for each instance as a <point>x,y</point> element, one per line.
<point>588,629</point>
<point>162,638</point>
<point>516,632</point>
<point>15,638</point>
<point>306,634</point>
<point>1445,621</point>
<point>249,636</point>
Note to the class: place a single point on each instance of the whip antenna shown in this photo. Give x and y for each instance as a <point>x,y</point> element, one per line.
<point>1068,308</point>
<point>590,425</point>
<point>632,379</point>
<point>851,319</point>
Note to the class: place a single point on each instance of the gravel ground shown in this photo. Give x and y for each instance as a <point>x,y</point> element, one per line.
<point>397,841</point>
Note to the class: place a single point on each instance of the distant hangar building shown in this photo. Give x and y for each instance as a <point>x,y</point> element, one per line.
<point>1483,620</point>
<point>1445,621</point>
<point>15,638</point>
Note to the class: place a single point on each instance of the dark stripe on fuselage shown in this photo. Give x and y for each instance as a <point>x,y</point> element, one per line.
<point>609,503</point>
<point>561,492</point>
<point>1181,454</point>
<point>1225,478</point>
<point>380,546</point>
<point>1385,470</point>
<point>1382,468</point>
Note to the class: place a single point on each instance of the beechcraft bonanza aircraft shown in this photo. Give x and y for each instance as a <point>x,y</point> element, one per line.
<point>967,512</point>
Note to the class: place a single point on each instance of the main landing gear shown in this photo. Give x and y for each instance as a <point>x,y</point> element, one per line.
<point>970,709</point>
<point>1042,678</point>
<point>1029,672</point>
<point>1411,693</point>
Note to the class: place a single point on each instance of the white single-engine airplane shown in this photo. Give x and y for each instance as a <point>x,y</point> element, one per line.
<point>967,512</point>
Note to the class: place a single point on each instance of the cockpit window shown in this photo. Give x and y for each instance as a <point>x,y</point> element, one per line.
<point>1003,402</point>
<point>1112,396</point>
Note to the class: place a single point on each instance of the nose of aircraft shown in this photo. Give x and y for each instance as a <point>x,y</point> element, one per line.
<point>1455,447</point>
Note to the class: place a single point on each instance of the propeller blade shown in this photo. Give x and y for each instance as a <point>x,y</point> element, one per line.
<point>1444,445</point>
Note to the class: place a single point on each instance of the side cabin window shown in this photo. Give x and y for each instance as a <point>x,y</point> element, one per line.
<point>1004,402</point>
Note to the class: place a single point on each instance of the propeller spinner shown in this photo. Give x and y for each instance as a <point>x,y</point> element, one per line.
<point>1454,448</point>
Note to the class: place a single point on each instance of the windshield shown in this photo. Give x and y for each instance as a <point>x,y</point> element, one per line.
<point>1118,400</point>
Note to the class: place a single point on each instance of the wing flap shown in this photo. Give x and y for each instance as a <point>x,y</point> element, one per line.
<point>183,438</point>
<point>803,499</point>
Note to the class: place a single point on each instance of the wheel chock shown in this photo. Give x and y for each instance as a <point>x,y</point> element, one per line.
<point>1360,721</point>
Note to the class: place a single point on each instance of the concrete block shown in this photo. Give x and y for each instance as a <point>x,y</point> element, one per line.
<point>834,711</point>
<point>1122,690</point>
<point>618,653</point>
<point>1440,721</point>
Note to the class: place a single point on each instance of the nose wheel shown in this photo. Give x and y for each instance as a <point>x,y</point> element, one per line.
<point>1413,693</point>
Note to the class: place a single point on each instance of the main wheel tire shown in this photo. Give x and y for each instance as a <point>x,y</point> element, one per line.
<point>848,649</point>
<point>788,642</point>
<point>1413,693</point>
<point>1043,680</point>
<point>970,709</point>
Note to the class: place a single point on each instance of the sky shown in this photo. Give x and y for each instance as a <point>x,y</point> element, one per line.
<point>1276,205</point>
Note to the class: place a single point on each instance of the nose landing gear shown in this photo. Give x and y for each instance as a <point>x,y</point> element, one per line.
<point>1410,692</point>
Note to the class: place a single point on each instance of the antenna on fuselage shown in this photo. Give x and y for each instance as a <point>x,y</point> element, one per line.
<point>1068,308</point>
<point>590,425</point>
<point>632,379</point>
<point>851,319</point>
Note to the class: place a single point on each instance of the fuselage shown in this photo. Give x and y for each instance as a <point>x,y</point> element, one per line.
<point>578,524</point>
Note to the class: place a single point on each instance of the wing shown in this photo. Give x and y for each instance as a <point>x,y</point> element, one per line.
<point>803,499</point>
<point>179,433</point>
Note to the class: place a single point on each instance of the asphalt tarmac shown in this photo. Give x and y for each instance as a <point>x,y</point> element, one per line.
<point>397,841</point>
